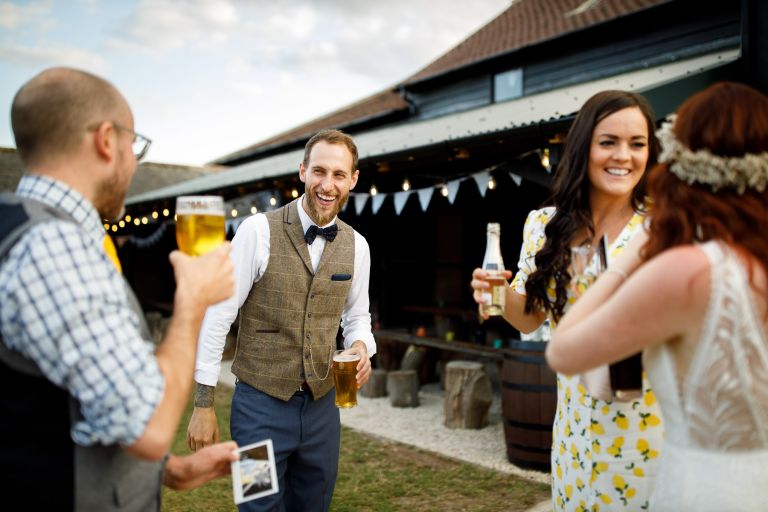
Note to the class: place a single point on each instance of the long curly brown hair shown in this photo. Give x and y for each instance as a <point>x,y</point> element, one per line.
<point>570,196</point>
<point>729,120</point>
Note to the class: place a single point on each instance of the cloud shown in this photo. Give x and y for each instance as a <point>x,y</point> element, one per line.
<point>59,55</point>
<point>34,14</point>
<point>160,26</point>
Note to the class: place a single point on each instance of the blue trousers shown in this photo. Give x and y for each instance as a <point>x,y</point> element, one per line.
<point>306,435</point>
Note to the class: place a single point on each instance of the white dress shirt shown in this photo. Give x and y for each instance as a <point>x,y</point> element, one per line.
<point>250,256</point>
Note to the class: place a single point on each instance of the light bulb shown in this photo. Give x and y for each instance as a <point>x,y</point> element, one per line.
<point>154,215</point>
<point>545,158</point>
<point>254,210</point>
<point>121,224</point>
<point>406,185</point>
<point>491,183</point>
<point>234,212</point>
<point>166,212</point>
<point>374,190</point>
<point>444,190</point>
<point>294,193</point>
<point>273,200</point>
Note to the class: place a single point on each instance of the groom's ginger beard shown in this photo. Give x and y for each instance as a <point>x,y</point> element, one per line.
<point>311,205</point>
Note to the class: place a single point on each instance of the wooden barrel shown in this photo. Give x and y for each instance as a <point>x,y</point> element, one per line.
<point>528,402</point>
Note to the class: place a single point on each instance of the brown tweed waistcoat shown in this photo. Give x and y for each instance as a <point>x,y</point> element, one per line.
<point>290,319</point>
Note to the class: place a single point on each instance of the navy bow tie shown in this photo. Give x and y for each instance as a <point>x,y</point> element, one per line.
<point>328,233</point>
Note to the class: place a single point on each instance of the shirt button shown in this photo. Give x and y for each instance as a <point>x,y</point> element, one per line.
<point>309,315</point>
<point>307,336</point>
<point>312,296</point>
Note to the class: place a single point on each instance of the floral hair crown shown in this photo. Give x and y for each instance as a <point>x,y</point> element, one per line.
<point>701,166</point>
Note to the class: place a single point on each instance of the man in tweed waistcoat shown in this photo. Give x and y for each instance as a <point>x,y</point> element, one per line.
<point>294,287</point>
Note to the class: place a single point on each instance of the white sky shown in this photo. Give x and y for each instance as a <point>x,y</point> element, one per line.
<point>208,77</point>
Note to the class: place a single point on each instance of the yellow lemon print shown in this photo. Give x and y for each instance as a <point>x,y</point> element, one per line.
<point>621,420</point>
<point>606,499</point>
<point>597,428</point>
<point>649,398</point>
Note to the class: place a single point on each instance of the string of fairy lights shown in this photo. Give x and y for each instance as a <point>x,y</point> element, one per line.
<point>238,209</point>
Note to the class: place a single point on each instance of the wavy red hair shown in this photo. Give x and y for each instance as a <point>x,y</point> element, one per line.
<point>728,119</point>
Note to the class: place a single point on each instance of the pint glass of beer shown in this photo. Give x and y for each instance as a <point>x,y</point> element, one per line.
<point>199,223</point>
<point>344,373</point>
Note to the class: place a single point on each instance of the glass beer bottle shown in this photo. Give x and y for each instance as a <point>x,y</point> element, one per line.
<point>495,296</point>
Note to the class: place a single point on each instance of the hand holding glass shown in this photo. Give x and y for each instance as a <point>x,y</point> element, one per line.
<point>199,224</point>
<point>345,378</point>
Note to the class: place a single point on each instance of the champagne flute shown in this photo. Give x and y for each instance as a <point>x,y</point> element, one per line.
<point>199,223</point>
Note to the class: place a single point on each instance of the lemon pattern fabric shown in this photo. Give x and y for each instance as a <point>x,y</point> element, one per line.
<point>604,454</point>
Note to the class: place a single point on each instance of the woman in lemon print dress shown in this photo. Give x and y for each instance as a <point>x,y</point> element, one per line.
<point>604,453</point>
<point>705,338</point>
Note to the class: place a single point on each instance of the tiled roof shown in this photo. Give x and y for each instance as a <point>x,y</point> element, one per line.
<point>528,22</point>
<point>10,169</point>
<point>149,176</point>
<point>524,23</point>
<point>378,104</point>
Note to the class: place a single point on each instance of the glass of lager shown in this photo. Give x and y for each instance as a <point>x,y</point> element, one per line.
<point>344,373</point>
<point>199,223</point>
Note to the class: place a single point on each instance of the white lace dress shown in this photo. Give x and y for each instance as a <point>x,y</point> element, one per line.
<point>716,416</point>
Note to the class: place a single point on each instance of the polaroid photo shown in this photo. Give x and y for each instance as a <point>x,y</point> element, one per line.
<point>254,474</point>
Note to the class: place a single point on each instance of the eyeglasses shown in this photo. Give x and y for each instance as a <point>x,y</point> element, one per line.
<point>140,143</point>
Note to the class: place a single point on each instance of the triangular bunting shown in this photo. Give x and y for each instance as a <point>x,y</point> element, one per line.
<point>425,195</point>
<point>360,200</point>
<point>481,179</point>
<point>516,178</point>
<point>453,189</point>
<point>400,199</point>
<point>377,201</point>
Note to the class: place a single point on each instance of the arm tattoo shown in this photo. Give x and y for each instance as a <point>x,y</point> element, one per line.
<point>203,395</point>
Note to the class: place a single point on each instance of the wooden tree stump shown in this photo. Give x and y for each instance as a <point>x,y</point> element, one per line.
<point>377,384</point>
<point>468,395</point>
<point>403,388</point>
<point>413,357</point>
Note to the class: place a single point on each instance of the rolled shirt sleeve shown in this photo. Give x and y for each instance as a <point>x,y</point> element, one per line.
<point>356,318</point>
<point>250,255</point>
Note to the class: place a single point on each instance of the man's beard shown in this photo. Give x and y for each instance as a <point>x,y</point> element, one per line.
<point>314,212</point>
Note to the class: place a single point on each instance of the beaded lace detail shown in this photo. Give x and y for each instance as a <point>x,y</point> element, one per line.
<point>724,398</point>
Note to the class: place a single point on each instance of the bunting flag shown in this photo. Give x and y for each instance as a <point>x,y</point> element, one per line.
<point>516,178</point>
<point>481,180</point>
<point>425,196</point>
<point>400,199</point>
<point>453,189</point>
<point>377,201</point>
<point>360,200</point>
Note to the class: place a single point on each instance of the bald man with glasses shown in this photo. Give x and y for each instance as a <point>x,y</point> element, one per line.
<point>89,407</point>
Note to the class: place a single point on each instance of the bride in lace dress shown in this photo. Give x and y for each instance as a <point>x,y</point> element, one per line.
<point>692,294</point>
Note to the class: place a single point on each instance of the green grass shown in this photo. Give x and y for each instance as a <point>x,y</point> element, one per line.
<point>377,475</point>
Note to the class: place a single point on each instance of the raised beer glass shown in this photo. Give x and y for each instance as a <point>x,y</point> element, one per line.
<point>199,223</point>
<point>344,377</point>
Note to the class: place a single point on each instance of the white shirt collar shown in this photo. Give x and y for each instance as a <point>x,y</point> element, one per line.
<point>306,221</point>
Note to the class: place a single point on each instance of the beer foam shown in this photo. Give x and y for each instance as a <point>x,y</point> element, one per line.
<point>200,205</point>
<point>346,358</point>
<point>200,211</point>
